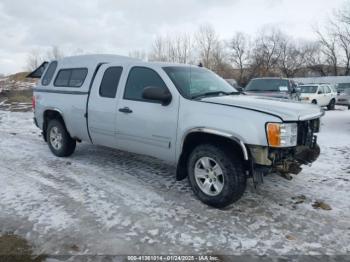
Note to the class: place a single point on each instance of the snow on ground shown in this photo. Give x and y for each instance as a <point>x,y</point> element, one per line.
<point>103,201</point>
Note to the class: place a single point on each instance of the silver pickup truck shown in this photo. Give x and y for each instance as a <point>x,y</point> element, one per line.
<point>185,115</point>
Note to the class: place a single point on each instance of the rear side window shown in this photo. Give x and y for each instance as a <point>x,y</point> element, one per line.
<point>49,74</point>
<point>71,77</point>
<point>110,82</point>
<point>140,78</point>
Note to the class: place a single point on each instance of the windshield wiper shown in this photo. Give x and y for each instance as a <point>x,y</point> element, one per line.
<point>216,93</point>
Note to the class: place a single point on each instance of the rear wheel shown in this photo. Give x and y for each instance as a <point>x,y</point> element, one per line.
<point>60,142</point>
<point>216,176</point>
<point>331,105</point>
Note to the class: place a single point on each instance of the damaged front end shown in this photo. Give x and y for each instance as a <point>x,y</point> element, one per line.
<point>287,161</point>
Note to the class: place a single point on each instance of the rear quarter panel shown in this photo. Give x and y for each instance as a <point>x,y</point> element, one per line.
<point>70,102</point>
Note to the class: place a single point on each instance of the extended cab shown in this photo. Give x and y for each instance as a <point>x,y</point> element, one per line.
<point>185,115</point>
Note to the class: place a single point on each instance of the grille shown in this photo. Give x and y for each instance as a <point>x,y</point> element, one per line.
<point>306,131</point>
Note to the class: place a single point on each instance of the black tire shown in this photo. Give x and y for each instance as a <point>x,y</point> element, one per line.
<point>67,143</point>
<point>314,102</point>
<point>331,105</point>
<point>234,177</point>
<point>348,107</point>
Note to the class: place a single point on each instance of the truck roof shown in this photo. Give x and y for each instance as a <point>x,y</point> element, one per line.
<point>93,60</point>
<point>86,60</point>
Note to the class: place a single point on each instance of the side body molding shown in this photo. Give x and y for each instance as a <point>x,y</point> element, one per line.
<point>219,133</point>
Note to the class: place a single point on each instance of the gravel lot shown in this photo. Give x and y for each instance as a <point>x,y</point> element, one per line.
<point>103,201</point>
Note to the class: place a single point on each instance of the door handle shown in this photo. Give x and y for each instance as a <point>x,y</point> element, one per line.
<point>126,110</point>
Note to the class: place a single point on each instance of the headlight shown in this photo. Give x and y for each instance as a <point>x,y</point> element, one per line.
<point>282,135</point>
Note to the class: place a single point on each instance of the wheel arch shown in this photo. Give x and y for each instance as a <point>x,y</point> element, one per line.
<point>49,114</point>
<point>197,136</point>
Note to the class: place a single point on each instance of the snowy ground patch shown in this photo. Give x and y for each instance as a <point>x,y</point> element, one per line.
<point>103,201</point>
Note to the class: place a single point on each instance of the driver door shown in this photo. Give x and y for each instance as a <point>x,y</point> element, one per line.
<point>144,126</point>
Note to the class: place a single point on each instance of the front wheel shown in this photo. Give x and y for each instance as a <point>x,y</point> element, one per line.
<point>216,175</point>
<point>60,142</point>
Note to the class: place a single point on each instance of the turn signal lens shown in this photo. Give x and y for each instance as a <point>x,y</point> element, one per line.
<point>274,134</point>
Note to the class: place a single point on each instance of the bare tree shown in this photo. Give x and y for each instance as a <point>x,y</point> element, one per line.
<point>34,60</point>
<point>176,48</point>
<point>343,34</point>
<point>139,54</point>
<point>292,57</point>
<point>219,59</point>
<point>54,53</point>
<point>341,26</point>
<point>328,43</point>
<point>239,47</point>
<point>344,13</point>
<point>206,42</point>
<point>313,58</point>
<point>266,52</point>
<point>158,49</point>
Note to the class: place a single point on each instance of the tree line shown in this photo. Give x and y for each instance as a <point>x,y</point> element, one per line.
<point>271,52</point>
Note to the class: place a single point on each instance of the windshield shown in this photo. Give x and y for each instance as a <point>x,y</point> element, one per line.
<point>308,89</point>
<point>195,81</point>
<point>277,85</point>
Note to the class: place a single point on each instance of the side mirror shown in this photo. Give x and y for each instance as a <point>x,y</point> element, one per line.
<point>160,94</point>
<point>319,92</point>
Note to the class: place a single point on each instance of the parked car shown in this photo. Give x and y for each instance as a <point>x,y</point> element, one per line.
<point>344,98</point>
<point>234,83</point>
<point>320,94</point>
<point>273,87</point>
<point>342,86</point>
<point>185,115</point>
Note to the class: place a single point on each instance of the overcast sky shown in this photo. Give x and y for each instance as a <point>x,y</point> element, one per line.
<point>120,26</point>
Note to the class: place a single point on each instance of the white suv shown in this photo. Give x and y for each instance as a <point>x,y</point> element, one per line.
<point>320,94</point>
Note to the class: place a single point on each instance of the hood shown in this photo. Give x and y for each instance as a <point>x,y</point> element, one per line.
<point>285,109</point>
<point>276,94</point>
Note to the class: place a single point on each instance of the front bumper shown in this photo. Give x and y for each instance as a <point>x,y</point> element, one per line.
<point>283,161</point>
<point>290,159</point>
